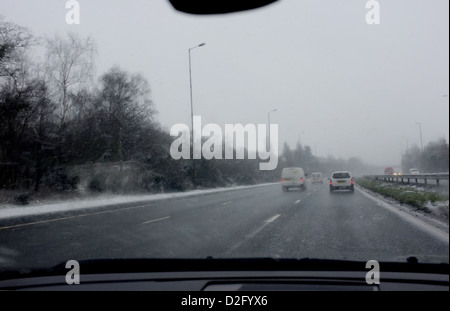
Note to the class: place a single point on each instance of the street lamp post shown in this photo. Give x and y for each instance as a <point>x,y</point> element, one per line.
<point>420,129</point>
<point>194,173</point>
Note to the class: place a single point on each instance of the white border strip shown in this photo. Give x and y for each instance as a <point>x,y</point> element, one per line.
<point>9,211</point>
<point>436,232</point>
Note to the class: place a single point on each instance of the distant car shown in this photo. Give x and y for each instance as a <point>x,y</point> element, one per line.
<point>414,171</point>
<point>293,177</point>
<point>341,180</point>
<point>316,178</point>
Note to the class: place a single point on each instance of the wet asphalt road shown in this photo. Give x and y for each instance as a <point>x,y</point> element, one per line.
<point>255,222</point>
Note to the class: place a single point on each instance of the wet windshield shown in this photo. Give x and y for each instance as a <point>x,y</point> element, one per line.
<point>129,129</point>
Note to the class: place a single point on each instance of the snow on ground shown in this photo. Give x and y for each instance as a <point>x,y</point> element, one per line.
<point>438,208</point>
<point>35,208</point>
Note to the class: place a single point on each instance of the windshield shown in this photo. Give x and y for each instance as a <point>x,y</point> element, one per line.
<point>129,129</point>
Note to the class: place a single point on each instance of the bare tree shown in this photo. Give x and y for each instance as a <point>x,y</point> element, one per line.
<point>69,67</point>
<point>124,101</point>
<point>14,41</point>
<point>16,87</point>
<point>26,123</point>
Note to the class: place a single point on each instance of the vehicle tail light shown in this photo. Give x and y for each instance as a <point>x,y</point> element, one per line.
<point>301,179</point>
<point>331,182</point>
<point>352,180</point>
<point>282,180</point>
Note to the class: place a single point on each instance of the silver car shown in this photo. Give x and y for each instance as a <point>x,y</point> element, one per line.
<point>341,180</point>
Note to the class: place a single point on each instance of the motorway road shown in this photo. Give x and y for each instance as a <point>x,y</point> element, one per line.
<point>252,222</point>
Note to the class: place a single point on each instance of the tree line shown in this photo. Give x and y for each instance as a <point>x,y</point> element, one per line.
<point>60,125</point>
<point>433,159</point>
<point>302,156</point>
<point>55,116</point>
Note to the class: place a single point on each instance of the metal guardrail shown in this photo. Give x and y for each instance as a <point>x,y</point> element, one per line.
<point>406,178</point>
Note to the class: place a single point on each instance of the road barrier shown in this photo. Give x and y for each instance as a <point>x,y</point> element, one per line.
<point>408,177</point>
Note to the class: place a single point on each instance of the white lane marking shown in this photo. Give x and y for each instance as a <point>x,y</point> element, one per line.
<point>308,193</point>
<point>133,199</point>
<point>273,218</point>
<point>71,217</point>
<point>159,219</point>
<point>226,203</point>
<point>298,201</point>
<point>268,221</point>
<point>251,235</point>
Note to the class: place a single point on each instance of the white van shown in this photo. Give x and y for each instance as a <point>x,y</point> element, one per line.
<point>293,177</point>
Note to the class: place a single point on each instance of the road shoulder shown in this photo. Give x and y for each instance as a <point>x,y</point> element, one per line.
<point>428,221</point>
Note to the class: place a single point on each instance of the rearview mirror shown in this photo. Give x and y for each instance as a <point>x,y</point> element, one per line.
<point>217,6</point>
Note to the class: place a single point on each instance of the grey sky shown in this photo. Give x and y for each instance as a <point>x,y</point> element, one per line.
<point>350,88</point>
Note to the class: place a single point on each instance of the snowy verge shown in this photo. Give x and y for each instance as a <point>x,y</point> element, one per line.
<point>37,208</point>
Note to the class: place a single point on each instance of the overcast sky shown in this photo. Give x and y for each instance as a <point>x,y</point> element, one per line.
<point>340,85</point>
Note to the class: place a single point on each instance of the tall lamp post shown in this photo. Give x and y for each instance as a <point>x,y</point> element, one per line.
<point>194,172</point>
<point>420,129</point>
